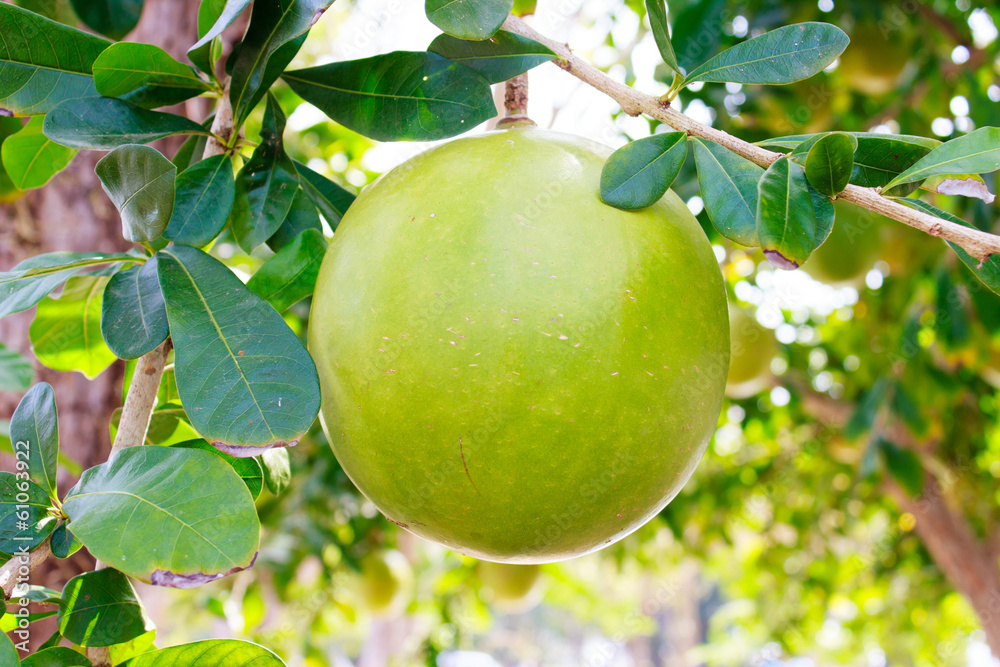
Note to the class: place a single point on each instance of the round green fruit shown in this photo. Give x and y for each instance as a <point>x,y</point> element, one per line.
<point>510,367</point>
<point>874,60</point>
<point>850,250</point>
<point>386,580</point>
<point>752,346</point>
<point>514,588</point>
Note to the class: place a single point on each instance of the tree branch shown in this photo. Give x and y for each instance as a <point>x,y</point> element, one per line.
<point>977,243</point>
<point>141,399</point>
<point>11,573</point>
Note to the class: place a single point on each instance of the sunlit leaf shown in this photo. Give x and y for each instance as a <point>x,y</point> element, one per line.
<point>728,185</point>
<point>101,608</point>
<point>66,333</point>
<point>32,159</point>
<point>638,174</point>
<point>34,428</point>
<point>468,19</point>
<point>501,57</point>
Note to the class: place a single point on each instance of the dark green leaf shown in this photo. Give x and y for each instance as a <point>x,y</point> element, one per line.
<point>145,75</point>
<point>34,429</point>
<point>202,202</point>
<point>56,656</point>
<point>301,216</point>
<point>140,183</point>
<point>904,466</point>
<point>785,55</point>
<point>133,317</point>
<point>728,185</point>
<point>277,470</point>
<point>331,199</point>
<point>904,406</point>
<point>248,469</point>
<point>103,123</point>
<point>101,608</point>
<point>399,96</point>
<point>290,276</point>
<point>468,19</point>
<point>32,159</point>
<point>43,62</point>
<point>66,333</point>
<point>200,53</point>
<point>786,222</point>
<point>190,153</point>
<point>166,516</point>
<point>975,153</point>
<point>825,214</point>
<point>638,174</point>
<point>881,157</point>
<point>864,416</point>
<point>52,641</point>
<point>266,186</point>
<point>657,12</point>
<point>64,543</point>
<point>28,282</point>
<point>951,320</point>
<point>501,57</point>
<point>16,373</point>
<point>697,29</point>
<point>830,163</point>
<point>24,514</point>
<point>245,379</point>
<point>273,25</point>
<point>214,652</point>
<point>111,18</point>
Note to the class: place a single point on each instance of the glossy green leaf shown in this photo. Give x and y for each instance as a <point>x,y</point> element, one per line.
<point>140,183</point>
<point>728,185</point>
<point>34,429</point>
<point>133,317</point>
<point>784,55</point>
<point>203,200</point>
<point>9,657</point>
<point>830,163</point>
<point>31,159</point>
<point>638,174</point>
<point>265,187</point>
<point>786,222</point>
<point>657,12</point>
<point>975,153</point>
<point>273,25</point>
<point>166,516</point>
<point>214,652</point>
<point>880,158</point>
<point>398,96</point>
<point>103,123</point>
<point>248,469</point>
<point>501,57</point>
<point>130,649</point>
<point>111,18</point>
<point>24,514</point>
<point>200,53</point>
<point>290,275</point>
<point>31,280</point>
<point>468,19</point>
<point>63,542</point>
<point>246,381</point>
<point>66,332</point>
<point>824,212</point>
<point>145,75</point>
<point>101,608</point>
<point>16,373</point>
<point>904,466</point>
<point>697,28</point>
<point>331,199</point>
<point>277,470</point>
<point>56,656</point>
<point>301,216</point>
<point>43,63</point>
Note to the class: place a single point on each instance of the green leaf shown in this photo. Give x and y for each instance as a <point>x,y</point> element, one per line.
<point>786,222</point>
<point>201,53</point>
<point>203,200</point>
<point>57,656</point>
<point>881,157</point>
<point>273,24</point>
<point>638,174</point>
<point>975,153</point>
<point>290,276</point>
<point>166,516</point>
<point>130,649</point>
<point>28,282</point>
<point>904,466</point>
<point>24,514</point>
<point>412,96</point>
<point>9,622</point>
<point>101,608</point>
<point>103,123</point>
<point>728,185</point>
<point>64,543</point>
<point>145,75</point>
<point>16,373</point>
<point>133,317</point>
<point>32,159</point>
<point>9,655</point>
<point>111,18</point>
<point>501,57</point>
<point>43,63</point>
<point>331,199</point>
<point>140,183</point>
<point>66,333</point>
<point>988,272</point>
<point>785,55</point>
<point>246,381</point>
<point>168,425</point>
<point>301,216</point>
<point>830,163</point>
<point>657,12</point>
<point>214,652</point>
<point>951,321</point>
<point>57,10</point>
<point>34,429</point>
<point>266,185</point>
<point>277,470</point>
<point>864,415</point>
<point>248,469</point>
<point>697,29</point>
<point>468,19</point>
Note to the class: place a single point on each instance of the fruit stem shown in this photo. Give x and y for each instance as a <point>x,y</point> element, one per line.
<point>516,102</point>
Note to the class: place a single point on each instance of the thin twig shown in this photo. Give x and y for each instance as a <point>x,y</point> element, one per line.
<point>977,243</point>
<point>11,573</point>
